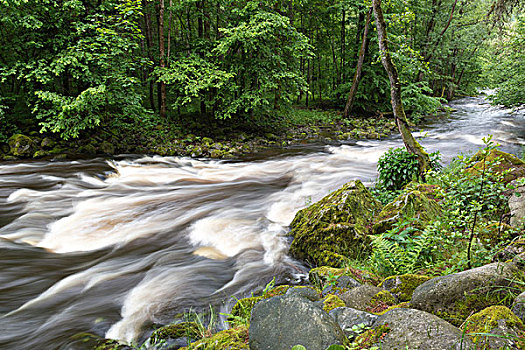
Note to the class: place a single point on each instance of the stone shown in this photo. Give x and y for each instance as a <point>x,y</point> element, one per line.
<point>415,329</point>
<point>517,206</point>
<point>309,293</point>
<point>518,306</point>
<point>498,162</point>
<point>21,145</point>
<point>47,143</point>
<point>281,322</point>
<point>512,250</point>
<point>402,286</point>
<point>418,201</point>
<point>454,297</point>
<point>347,317</point>
<point>499,321</point>
<point>359,298</point>
<point>334,228</point>
<point>107,147</point>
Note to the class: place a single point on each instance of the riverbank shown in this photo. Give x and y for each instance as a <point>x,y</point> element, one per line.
<point>429,270</point>
<point>215,141</point>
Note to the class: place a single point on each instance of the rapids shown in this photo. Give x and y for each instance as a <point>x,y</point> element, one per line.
<point>114,247</point>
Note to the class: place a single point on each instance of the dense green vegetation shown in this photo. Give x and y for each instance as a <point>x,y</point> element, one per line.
<point>73,67</point>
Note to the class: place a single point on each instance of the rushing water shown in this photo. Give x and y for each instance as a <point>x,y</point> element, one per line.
<point>115,247</point>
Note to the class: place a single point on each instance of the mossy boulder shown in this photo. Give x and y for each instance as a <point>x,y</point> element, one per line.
<point>21,145</point>
<point>335,227</point>
<point>497,162</point>
<point>107,147</point>
<point>188,331</point>
<point>331,302</point>
<point>381,302</point>
<point>505,328</point>
<point>89,149</point>
<point>320,276</point>
<point>347,318</point>
<point>229,339</point>
<point>454,297</point>
<point>360,298</point>
<point>47,143</point>
<point>402,286</point>
<point>418,201</point>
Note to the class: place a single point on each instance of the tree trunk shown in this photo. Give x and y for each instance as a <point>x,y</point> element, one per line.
<point>410,142</point>
<point>162,61</point>
<point>359,67</point>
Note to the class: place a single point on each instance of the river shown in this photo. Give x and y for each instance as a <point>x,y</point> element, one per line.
<point>115,247</point>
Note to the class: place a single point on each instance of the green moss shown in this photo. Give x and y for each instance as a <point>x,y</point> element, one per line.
<point>505,162</point>
<point>230,339</point>
<point>97,343</point>
<point>371,337</point>
<point>487,320</point>
<point>331,302</point>
<point>243,307</point>
<point>21,145</point>
<point>380,302</point>
<point>320,275</point>
<point>335,227</point>
<point>403,305</point>
<point>472,303</point>
<point>404,285</point>
<point>414,204</point>
<point>173,331</point>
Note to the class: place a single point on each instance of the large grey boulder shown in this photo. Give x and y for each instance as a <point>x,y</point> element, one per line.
<point>360,297</point>
<point>346,318</point>
<point>415,329</point>
<point>454,297</point>
<point>281,322</point>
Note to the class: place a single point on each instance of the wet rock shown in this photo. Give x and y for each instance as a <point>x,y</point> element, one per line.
<point>418,202</point>
<point>281,322</point>
<point>454,297</point>
<point>415,329</point>
<point>335,227</point>
<point>402,286</point>
<point>347,317</point>
<point>21,145</point>
<point>503,326</point>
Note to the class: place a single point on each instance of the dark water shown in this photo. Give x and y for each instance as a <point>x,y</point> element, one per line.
<point>113,247</point>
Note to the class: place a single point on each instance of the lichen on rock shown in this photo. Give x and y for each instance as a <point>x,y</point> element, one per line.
<point>402,286</point>
<point>334,228</point>
<point>495,327</point>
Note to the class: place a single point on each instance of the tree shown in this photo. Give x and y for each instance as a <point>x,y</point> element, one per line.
<point>410,142</point>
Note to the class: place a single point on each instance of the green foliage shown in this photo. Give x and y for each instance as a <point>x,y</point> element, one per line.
<point>397,167</point>
<point>403,249</point>
<point>503,65</point>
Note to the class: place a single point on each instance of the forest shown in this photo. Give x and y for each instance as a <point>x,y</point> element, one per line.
<point>72,68</point>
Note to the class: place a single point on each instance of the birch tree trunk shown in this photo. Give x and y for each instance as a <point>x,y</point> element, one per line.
<point>410,142</point>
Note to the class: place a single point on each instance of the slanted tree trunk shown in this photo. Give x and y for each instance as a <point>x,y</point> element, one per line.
<point>410,142</point>
<point>359,67</point>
